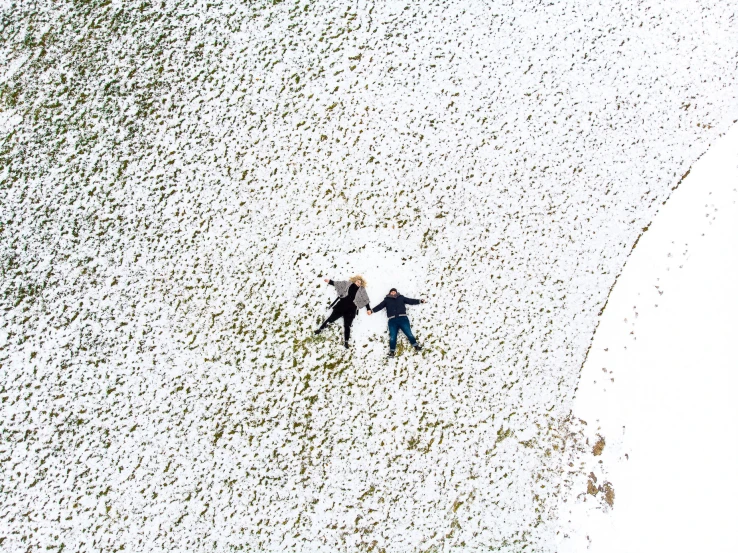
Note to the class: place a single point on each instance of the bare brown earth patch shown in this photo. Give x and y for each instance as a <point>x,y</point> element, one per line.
<point>599,446</point>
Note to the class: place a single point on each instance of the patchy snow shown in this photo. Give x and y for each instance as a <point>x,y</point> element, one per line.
<point>178,178</point>
<point>659,382</point>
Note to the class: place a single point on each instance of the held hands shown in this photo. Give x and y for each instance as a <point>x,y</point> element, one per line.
<point>368,311</point>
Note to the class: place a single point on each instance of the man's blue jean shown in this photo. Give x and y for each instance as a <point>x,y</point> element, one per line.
<point>396,324</point>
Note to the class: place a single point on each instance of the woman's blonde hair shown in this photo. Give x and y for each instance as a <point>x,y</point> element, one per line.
<point>358,280</point>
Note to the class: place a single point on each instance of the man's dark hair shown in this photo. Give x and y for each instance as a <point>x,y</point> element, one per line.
<point>393,290</point>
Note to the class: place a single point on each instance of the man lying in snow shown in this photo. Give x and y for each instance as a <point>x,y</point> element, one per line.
<point>351,296</point>
<point>397,318</point>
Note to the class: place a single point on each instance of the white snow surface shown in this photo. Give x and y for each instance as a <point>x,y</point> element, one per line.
<point>659,383</point>
<point>178,177</point>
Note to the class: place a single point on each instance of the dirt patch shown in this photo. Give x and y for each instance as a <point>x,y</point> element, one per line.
<point>599,446</point>
<point>591,488</point>
<point>608,493</point>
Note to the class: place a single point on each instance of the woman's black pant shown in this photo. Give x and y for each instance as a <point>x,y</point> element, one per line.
<point>348,319</point>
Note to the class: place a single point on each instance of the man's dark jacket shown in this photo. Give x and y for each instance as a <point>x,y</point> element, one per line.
<point>395,306</point>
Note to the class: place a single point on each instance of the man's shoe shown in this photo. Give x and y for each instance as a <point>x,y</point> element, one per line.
<point>418,347</point>
<point>391,354</point>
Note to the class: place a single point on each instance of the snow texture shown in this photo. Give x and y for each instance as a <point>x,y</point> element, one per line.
<point>657,389</point>
<point>176,179</point>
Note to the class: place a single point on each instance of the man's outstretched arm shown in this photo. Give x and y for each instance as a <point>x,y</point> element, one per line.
<point>379,307</point>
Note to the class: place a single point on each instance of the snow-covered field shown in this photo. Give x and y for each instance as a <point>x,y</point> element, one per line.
<point>658,388</point>
<point>176,178</point>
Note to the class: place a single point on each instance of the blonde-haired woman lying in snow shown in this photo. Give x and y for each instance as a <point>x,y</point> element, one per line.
<point>352,296</point>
